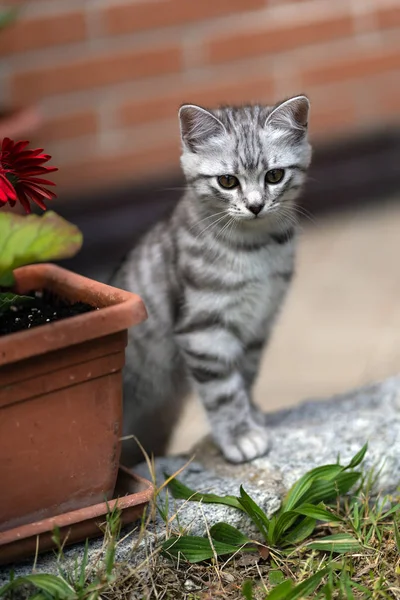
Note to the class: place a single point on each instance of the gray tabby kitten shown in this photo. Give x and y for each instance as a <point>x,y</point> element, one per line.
<point>213,276</point>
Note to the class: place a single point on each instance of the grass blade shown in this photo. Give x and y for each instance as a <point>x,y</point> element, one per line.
<point>397,536</point>
<point>339,543</point>
<point>181,492</point>
<point>256,514</point>
<point>227,534</point>
<point>195,549</point>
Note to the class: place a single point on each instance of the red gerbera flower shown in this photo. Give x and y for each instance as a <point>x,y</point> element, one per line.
<point>19,169</point>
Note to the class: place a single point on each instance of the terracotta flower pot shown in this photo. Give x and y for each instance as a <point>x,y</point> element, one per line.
<point>61,400</point>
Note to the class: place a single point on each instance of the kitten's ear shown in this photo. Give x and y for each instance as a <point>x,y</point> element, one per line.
<point>291,114</point>
<point>197,125</point>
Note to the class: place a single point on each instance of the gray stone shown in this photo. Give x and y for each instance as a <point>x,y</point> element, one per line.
<point>312,434</point>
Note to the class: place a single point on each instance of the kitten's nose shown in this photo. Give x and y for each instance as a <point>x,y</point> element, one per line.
<point>256,208</point>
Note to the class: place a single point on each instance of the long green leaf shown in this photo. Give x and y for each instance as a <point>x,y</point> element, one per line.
<point>227,534</point>
<point>182,492</point>
<point>317,512</point>
<point>295,495</point>
<point>357,458</point>
<point>31,238</point>
<point>282,523</point>
<point>328,490</point>
<point>339,543</point>
<point>58,588</point>
<point>300,532</point>
<point>281,591</point>
<point>195,549</point>
<point>256,514</point>
<point>307,587</point>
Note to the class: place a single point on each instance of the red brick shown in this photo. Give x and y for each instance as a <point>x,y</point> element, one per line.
<point>32,34</point>
<point>152,14</point>
<point>388,97</point>
<point>245,44</point>
<point>100,70</point>
<point>388,18</point>
<point>333,120</point>
<point>69,126</point>
<point>355,66</point>
<point>158,107</point>
<point>96,172</point>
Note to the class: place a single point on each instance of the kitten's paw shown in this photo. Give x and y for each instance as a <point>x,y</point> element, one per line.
<point>247,445</point>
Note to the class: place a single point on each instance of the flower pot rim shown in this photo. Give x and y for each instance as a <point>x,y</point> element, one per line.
<point>78,524</point>
<point>118,310</point>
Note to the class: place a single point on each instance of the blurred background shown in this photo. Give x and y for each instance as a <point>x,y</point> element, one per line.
<point>97,83</point>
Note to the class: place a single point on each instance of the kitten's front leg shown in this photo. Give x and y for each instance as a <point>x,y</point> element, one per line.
<point>223,391</point>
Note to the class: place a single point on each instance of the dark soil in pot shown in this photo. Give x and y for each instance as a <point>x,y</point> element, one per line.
<point>44,308</point>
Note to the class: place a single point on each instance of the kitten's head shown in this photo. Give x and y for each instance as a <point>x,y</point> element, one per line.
<point>249,160</point>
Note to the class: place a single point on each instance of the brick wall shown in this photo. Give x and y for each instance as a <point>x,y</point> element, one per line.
<point>109,75</point>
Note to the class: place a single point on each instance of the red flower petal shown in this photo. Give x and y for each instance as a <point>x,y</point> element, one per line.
<point>25,202</point>
<point>7,188</point>
<point>24,165</point>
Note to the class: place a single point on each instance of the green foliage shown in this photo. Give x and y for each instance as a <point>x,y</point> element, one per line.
<point>195,549</point>
<point>30,239</point>
<point>303,506</point>
<point>288,591</point>
<point>79,584</point>
<point>182,492</point>
<point>8,299</point>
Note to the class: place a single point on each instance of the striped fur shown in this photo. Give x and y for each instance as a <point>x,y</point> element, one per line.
<point>214,275</point>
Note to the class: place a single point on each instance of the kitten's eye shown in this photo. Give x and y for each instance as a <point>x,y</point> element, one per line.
<point>274,176</point>
<point>228,181</point>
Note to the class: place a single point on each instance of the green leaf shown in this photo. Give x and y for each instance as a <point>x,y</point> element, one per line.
<point>357,458</point>
<point>339,543</point>
<point>295,495</point>
<point>247,590</point>
<point>345,481</point>
<point>8,299</point>
<point>195,549</point>
<point>276,577</point>
<point>307,587</point>
<point>182,492</point>
<point>282,523</point>
<point>256,514</point>
<point>397,536</point>
<point>227,534</point>
<point>318,512</point>
<point>328,490</point>
<point>30,239</point>
<point>300,532</point>
<point>58,588</point>
<point>281,591</point>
